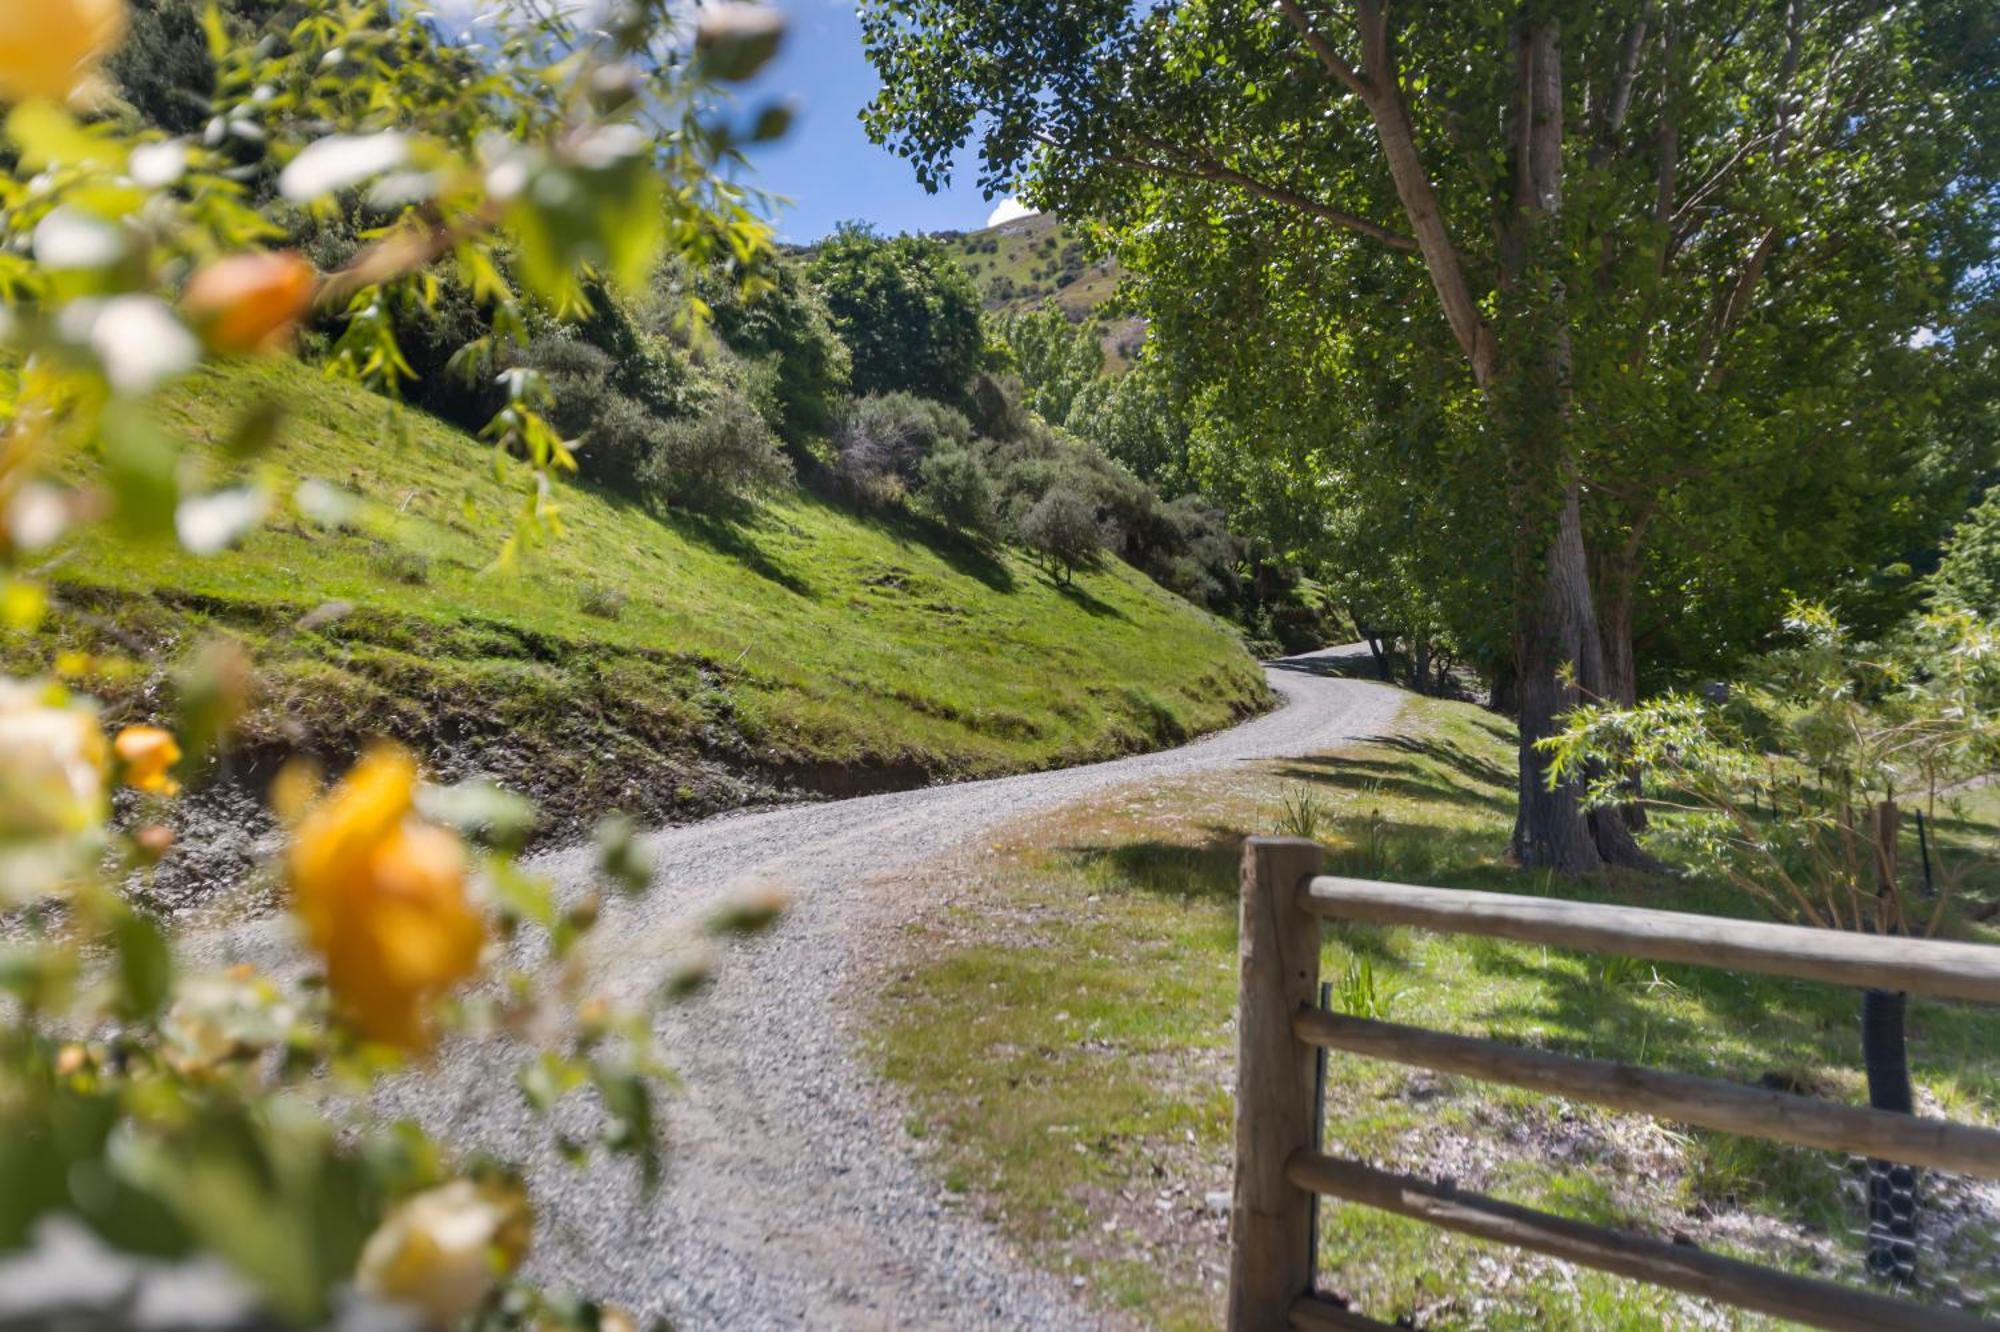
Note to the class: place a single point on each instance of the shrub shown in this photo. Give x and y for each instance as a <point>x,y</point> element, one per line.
<point>614,433</point>
<point>906,309</point>
<point>883,440</point>
<point>1061,528</point>
<point>953,484</point>
<point>409,567</point>
<point>726,453</point>
<point>606,603</point>
<point>787,334</point>
<point>997,412</point>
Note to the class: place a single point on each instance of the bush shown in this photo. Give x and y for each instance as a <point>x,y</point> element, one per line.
<point>1061,528</point>
<point>883,440</point>
<point>604,602</point>
<point>786,335</point>
<point>997,412</point>
<point>726,453</point>
<point>614,433</point>
<point>953,484</point>
<point>412,568</point>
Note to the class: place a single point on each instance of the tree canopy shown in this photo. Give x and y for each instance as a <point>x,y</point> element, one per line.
<point>906,309</point>
<point>1643,281</point>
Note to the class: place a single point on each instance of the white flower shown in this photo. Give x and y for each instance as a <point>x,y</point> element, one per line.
<point>607,144</point>
<point>52,759</point>
<point>51,764</point>
<point>69,238</point>
<point>340,160</point>
<point>443,1250</point>
<point>157,164</point>
<point>136,339</point>
<point>37,516</point>
<point>209,523</point>
<point>324,503</point>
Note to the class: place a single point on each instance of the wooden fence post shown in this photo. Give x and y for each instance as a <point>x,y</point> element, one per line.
<point>1270,1218</point>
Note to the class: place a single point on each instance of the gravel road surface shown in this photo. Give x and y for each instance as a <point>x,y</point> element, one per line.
<point>794,1197</point>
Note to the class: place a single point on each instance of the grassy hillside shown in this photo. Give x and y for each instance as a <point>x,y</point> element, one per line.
<point>665,665</point>
<point>1031,261</point>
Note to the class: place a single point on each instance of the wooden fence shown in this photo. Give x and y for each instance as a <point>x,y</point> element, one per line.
<point>1281,1029</point>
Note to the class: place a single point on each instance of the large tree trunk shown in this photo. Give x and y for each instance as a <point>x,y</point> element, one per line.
<point>1617,583</point>
<point>1621,665</point>
<point>1558,641</point>
<point>1555,632</point>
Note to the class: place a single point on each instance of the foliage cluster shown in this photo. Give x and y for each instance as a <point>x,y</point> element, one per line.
<point>279,167</point>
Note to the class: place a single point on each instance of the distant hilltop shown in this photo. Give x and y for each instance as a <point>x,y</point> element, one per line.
<point>1032,261</point>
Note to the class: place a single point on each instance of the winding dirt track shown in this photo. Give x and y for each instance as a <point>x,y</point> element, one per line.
<point>795,1198</point>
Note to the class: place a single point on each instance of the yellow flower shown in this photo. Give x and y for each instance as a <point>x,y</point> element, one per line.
<point>382,896</point>
<point>53,797</point>
<point>250,302</point>
<point>441,1252</point>
<point>147,752</point>
<point>51,48</point>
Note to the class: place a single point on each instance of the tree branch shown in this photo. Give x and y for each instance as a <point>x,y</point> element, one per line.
<point>1323,49</point>
<point>1202,167</point>
<point>1413,187</point>
<point>1620,102</point>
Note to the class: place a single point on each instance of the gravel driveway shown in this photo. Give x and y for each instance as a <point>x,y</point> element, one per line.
<point>794,1197</point>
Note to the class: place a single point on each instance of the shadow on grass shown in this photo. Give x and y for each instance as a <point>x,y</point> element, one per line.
<point>1205,873</point>
<point>967,554</point>
<point>732,532</point>
<point>1383,777</point>
<point>1087,602</point>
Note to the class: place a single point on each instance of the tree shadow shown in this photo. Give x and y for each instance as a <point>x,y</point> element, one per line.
<point>1359,665</point>
<point>1087,602</point>
<point>1204,873</point>
<point>1462,761</point>
<point>966,554</point>
<point>731,531</point>
<point>1382,777</point>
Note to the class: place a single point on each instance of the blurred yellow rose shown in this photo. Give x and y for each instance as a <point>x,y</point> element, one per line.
<point>146,753</point>
<point>382,896</point>
<point>52,761</point>
<point>250,302</point>
<point>53,799</point>
<point>441,1252</point>
<point>51,48</point>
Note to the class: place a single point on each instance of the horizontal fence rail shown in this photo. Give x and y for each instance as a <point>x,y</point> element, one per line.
<point>1710,1103</point>
<point>1676,1266</point>
<point>1839,957</point>
<point>1281,1029</point>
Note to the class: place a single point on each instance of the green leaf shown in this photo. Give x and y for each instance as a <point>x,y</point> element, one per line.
<point>140,463</point>
<point>145,966</point>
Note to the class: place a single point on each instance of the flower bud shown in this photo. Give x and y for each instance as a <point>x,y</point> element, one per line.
<point>250,302</point>
<point>51,48</point>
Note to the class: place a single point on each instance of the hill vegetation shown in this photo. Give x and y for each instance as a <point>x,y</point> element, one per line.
<point>660,661</point>
<point>1031,262</point>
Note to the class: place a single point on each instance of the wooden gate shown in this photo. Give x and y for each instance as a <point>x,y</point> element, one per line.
<point>1280,1029</point>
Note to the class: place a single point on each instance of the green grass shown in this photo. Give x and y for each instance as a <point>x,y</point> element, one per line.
<point>644,656</point>
<point>1065,1036</point>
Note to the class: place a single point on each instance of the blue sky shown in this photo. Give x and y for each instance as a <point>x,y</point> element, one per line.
<point>826,164</point>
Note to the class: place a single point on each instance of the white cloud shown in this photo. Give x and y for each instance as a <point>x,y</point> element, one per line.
<point>1007,210</point>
